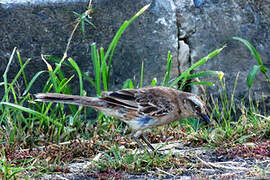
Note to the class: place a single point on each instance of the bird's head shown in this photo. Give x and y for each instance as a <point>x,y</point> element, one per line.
<point>195,107</point>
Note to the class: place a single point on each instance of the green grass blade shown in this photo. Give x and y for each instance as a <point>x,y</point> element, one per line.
<point>63,88</point>
<point>30,111</point>
<point>64,83</point>
<point>32,82</point>
<point>83,27</point>
<point>9,62</point>
<point>76,67</point>
<point>204,83</point>
<point>141,79</point>
<point>5,74</point>
<point>252,49</point>
<point>197,64</point>
<point>128,84</point>
<point>205,59</point>
<point>12,134</point>
<point>203,74</point>
<point>13,81</point>
<point>183,82</point>
<point>256,55</point>
<point>98,73</point>
<point>113,45</point>
<point>178,79</point>
<point>121,30</point>
<point>251,76</point>
<point>102,55</point>
<point>7,89</point>
<point>89,22</point>
<point>154,82</point>
<point>54,79</point>
<point>20,72</point>
<point>13,92</point>
<point>59,73</point>
<point>142,10</point>
<point>52,73</point>
<point>89,79</point>
<point>21,65</point>
<point>15,171</point>
<point>57,60</point>
<point>96,63</point>
<point>77,14</point>
<point>104,69</point>
<point>167,75</point>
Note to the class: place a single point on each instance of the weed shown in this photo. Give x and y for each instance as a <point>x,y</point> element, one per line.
<point>9,169</point>
<point>252,73</point>
<point>118,160</point>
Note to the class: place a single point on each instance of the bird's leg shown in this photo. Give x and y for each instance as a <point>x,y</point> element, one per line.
<point>140,143</point>
<point>147,142</point>
<point>149,145</point>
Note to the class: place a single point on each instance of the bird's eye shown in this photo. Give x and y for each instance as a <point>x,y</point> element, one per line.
<point>197,108</point>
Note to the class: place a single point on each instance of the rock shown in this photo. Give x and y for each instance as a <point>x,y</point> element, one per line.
<point>213,24</point>
<point>183,56</point>
<point>43,27</point>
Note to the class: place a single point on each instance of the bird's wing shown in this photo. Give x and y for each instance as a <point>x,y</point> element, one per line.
<point>149,101</point>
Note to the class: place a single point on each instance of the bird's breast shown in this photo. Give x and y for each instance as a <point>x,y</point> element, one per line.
<point>142,122</point>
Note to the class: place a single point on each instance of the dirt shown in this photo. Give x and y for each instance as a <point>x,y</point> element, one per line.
<point>245,161</point>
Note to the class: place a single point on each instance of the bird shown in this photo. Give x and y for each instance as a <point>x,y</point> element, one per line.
<point>140,108</point>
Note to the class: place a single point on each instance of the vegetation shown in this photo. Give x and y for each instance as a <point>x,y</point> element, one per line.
<point>38,138</point>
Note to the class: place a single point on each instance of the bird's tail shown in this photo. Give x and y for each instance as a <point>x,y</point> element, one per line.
<point>69,99</point>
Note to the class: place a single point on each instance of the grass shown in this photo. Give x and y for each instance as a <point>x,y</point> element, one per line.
<point>39,138</point>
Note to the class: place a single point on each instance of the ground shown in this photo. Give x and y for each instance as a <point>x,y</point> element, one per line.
<point>245,161</point>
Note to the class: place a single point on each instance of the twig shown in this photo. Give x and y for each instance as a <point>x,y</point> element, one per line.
<point>165,172</point>
<point>89,7</point>
<point>267,118</point>
<point>215,165</point>
<point>86,13</point>
<point>69,40</point>
<point>63,143</point>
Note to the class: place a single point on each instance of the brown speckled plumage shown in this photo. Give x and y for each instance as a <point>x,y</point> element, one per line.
<point>140,108</point>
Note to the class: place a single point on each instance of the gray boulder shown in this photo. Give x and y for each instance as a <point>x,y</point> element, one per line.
<point>189,29</point>
<point>214,23</point>
<point>43,27</point>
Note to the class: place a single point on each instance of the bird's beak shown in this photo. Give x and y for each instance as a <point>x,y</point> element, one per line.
<point>205,118</point>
